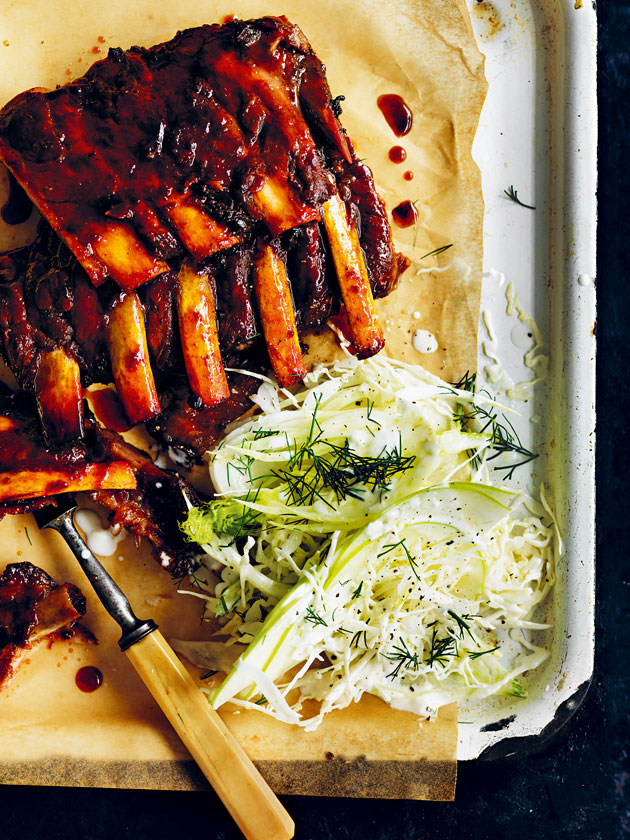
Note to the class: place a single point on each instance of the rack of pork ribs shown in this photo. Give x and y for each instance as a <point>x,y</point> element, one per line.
<point>203,209</point>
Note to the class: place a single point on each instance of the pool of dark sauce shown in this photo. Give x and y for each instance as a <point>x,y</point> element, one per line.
<point>18,205</point>
<point>396,112</point>
<point>405,214</point>
<point>89,678</point>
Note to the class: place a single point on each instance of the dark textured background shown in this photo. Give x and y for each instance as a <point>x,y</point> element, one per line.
<point>578,787</point>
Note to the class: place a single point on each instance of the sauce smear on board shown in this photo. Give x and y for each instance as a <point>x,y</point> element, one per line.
<point>397,113</point>
<point>405,214</point>
<point>89,678</point>
<point>18,205</point>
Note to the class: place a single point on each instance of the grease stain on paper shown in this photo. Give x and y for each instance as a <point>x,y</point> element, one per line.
<point>488,18</point>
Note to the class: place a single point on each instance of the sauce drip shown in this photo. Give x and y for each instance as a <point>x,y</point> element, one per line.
<point>109,410</point>
<point>405,214</point>
<point>89,678</point>
<point>396,112</point>
<point>397,154</point>
<point>408,176</point>
<point>18,205</point>
<point>340,321</point>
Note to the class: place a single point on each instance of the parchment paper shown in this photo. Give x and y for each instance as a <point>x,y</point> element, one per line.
<point>424,50</point>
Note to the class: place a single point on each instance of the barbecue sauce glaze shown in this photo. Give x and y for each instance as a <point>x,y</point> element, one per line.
<point>18,205</point>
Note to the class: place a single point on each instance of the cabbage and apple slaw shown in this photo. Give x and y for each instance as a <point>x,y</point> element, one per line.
<point>360,542</point>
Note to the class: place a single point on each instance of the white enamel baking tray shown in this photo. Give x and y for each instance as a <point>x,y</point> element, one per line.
<point>538,133</point>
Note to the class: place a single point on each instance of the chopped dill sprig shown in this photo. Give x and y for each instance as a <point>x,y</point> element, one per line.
<point>401,544</point>
<point>242,465</point>
<point>403,658</point>
<point>513,196</point>
<point>354,642</point>
<point>476,654</point>
<point>357,591</point>
<point>318,465</point>
<point>504,438</point>
<point>261,700</point>
<point>265,433</point>
<point>437,251</point>
<point>441,649</point>
<point>312,616</point>
<point>387,549</point>
<point>207,674</point>
<point>462,625</point>
<point>370,419</point>
<point>27,536</point>
<point>191,578</point>
<point>468,382</point>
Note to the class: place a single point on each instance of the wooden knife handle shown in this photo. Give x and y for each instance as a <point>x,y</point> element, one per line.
<point>247,796</point>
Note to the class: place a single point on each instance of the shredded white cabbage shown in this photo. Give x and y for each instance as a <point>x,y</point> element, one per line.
<point>361,546</point>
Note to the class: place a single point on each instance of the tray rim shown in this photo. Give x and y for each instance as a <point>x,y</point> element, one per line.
<point>573,28</point>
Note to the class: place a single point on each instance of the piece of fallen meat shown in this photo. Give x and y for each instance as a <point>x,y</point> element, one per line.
<point>33,607</point>
<point>154,510</point>
<point>136,494</point>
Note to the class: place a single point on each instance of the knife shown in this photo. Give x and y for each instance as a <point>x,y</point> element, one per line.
<point>247,796</point>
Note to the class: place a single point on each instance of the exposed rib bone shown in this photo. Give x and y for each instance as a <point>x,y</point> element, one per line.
<point>50,481</point>
<point>277,316</point>
<point>200,340</point>
<point>279,208</point>
<point>199,232</point>
<point>126,258</point>
<point>59,399</point>
<point>354,282</point>
<point>127,340</point>
<point>57,610</point>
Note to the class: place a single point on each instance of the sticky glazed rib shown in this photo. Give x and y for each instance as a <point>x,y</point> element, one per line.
<point>52,317</point>
<point>33,606</point>
<point>136,494</point>
<point>193,142</point>
<point>209,196</point>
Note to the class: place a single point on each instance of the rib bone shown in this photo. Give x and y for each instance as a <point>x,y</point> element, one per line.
<point>278,317</point>
<point>354,282</point>
<point>59,399</point>
<point>200,340</point>
<point>127,340</point>
<point>58,609</point>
